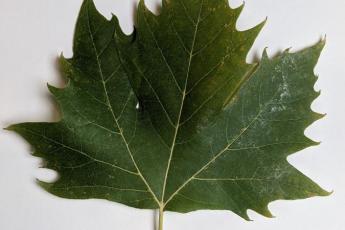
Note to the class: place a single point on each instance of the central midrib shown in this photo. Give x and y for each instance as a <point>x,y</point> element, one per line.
<point>162,204</point>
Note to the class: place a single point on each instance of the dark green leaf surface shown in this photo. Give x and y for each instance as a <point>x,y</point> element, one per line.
<point>210,131</point>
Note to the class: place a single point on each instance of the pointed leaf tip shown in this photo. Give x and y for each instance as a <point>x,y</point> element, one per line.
<point>264,55</point>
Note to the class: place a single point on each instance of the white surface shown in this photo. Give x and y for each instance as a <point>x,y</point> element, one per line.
<point>33,33</point>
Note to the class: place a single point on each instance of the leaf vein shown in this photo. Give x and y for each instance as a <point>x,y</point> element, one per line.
<point>113,114</point>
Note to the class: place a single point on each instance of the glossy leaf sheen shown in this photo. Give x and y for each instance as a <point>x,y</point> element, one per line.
<point>211,131</point>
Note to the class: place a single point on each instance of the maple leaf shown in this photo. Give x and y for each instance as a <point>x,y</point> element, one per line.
<point>173,118</point>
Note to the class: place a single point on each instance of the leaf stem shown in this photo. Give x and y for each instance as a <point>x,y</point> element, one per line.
<point>161,216</point>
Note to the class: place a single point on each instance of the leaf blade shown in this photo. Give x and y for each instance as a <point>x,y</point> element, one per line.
<point>211,131</point>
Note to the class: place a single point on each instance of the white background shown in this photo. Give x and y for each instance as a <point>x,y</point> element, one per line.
<point>33,33</point>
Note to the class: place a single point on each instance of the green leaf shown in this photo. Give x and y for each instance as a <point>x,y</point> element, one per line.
<point>173,118</point>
